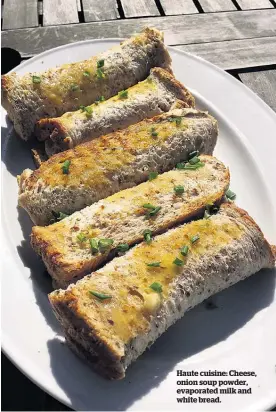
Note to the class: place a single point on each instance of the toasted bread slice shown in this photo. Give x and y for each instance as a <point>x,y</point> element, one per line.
<point>151,97</point>
<point>62,89</point>
<point>65,246</point>
<point>111,163</point>
<point>111,316</point>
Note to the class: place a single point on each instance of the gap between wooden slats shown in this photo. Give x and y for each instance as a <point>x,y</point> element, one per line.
<point>59,12</point>
<point>217,5</point>
<point>20,14</point>
<point>176,7</point>
<point>254,4</point>
<point>95,10</point>
<point>263,83</point>
<point>184,29</point>
<point>139,8</point>
<point>236,54</point>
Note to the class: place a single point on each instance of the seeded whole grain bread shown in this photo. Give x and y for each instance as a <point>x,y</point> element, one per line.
<point>65,247</point>
<point>132,304</point>
<point>56,91</point>
<point>146,99</point>
<point>114,162</point>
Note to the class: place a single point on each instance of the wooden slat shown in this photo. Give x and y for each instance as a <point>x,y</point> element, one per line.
<point>217,5</point>
<point>264,84</point>
<point>254,4</point>
<point>60,12</point>
<point>95,10</point>
<point>178,30</point>
<point>20,14</point>
<point>178,7</point>
<point>139,8</point>
<point>236,54</point>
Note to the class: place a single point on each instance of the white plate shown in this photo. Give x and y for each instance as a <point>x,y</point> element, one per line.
<point>240,334</point>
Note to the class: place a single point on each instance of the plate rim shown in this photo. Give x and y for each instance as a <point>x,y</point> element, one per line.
<point>13,354</point>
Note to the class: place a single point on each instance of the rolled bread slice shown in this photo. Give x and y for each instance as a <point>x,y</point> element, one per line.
<point>146,99</point>
<point>65,88</point>
<point>111,316</point>
<point>70,248</point>
<point>79,177</point>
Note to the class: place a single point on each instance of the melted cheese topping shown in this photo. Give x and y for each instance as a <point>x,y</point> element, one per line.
<point>128,279</point>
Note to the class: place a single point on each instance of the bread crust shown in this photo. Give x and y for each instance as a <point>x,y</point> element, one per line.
<point>114,162</point>
<point>66,88</point>
<point>146,99</point>
<point>231,247</point>
<point>122,218</point>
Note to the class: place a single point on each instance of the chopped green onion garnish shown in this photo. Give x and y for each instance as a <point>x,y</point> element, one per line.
<point>94,245</point>
<point>86,73</point>
<point>188,166</point>
<point>36,79</point>
<point>81,237</point>
<point>184,250</point>
<point>100,74</point>
<point>147,235</point>
<point>154,264</point>
<point>59,215</point>
<point>194,238</point>
<point>153,132</point>
<point>194,160</point>
<point>193,154</point>
<point>87,109</point>
<point>156,286</point>
<point>153,175</point>
<point>101,296</point>
<point>100,63</point>
<point>230,195</point>
<point>210,210</point>
<point>65,167</point>
<point>207,215</point>
<point>123,247</point>
<point>153,209</point>
<point>100,99</point>
<point>178,262</point>
<point>177,120</point>
<point>148,206</point>
<point>179,190</point>
<point>123,94</point>
<point>105,244</point>
<point>74,87</point>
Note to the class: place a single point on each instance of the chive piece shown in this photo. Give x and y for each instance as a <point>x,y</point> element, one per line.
<point>100,63</point>
<point>157,287</point>
<point>210,209</point>
<point>178,121</point>
<point>81,237</point>
<point>100,99</point>
<point>230,195</point>
<point>65,167</point>
<point>36,79</point>
<point>123,94</point>
<point>188,166</point>
<point>74,87</point>
<point>100,296</point>
<point>153,132</point>
<point>184,250</point>
<point>152,175</point>
<point>149,206</point>
<point>100,74</point>
<point>86,73</point>
<point>154,264</point>
<point>194,160</point>
<point>123,247</point>
<point>147,235</point>
<point>87,109</point>
<point>179,189</point>
<point>94,245</point>
<point>105,244</point>
<point>178,262</point>
<point>195,153</point>
<point>59,215</point>
<point>194,238</point>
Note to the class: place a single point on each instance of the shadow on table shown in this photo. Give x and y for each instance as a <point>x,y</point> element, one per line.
<point>198,330</point>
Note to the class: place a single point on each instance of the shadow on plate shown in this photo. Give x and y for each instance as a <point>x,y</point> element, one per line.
<point>197,331</point>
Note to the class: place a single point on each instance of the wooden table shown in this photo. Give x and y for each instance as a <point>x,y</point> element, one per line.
<point>237,35</point>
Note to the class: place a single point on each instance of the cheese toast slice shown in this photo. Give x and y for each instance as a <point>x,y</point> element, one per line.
<point>111,316</point>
